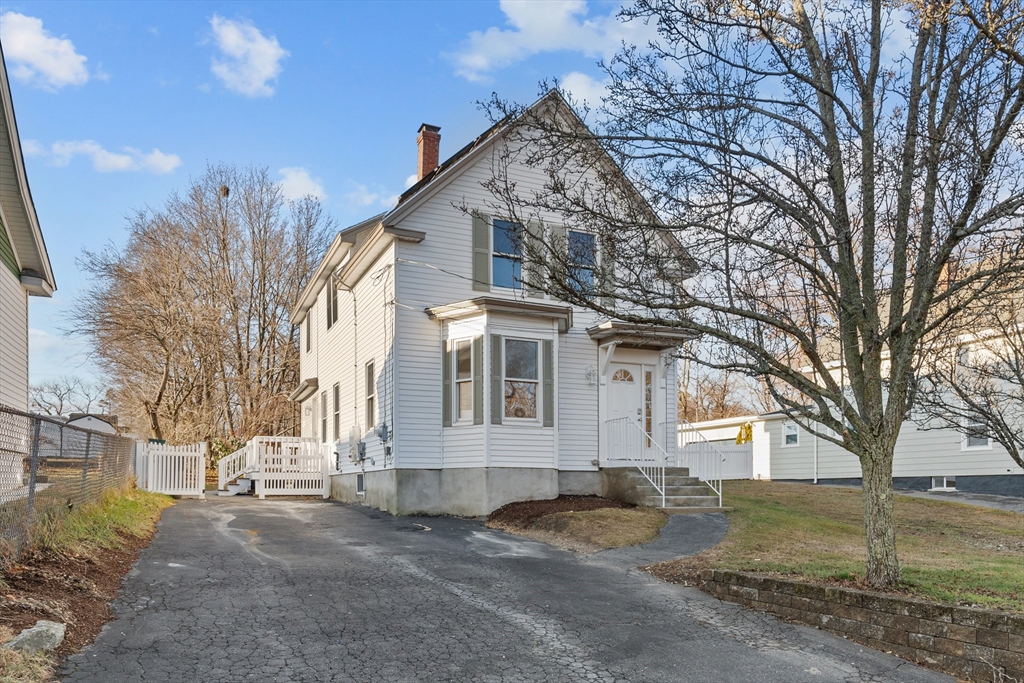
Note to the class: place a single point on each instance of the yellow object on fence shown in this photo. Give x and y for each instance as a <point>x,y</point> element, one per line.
<point>746,434</point>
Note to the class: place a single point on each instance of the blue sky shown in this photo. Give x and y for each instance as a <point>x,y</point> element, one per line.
<point>118,104</point>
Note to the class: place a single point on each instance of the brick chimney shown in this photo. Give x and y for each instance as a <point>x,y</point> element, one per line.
<point>429,144</point>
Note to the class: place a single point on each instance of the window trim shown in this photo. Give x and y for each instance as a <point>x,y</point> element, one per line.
<point>309,334</point>
<point>538,383</point>
<point>456,418</point>
<point>796,431</point>
<point>337,411</point>
<point>331,302</point>
<point>323,416</point>
<point>494,253</point>
<point>370,395</point>
<point>945,483</point>
<point>573,266</point>
<point>965,440</point>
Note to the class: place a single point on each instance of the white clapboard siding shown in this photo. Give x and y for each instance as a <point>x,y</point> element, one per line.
<point>13,341</point>
<point>340,355</point>
<point>447,249</point>
<point>919,453</point>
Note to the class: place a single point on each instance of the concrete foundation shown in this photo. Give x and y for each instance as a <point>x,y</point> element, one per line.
<point>467,492</point>
<point>999,484</point>
<point>572,483</point>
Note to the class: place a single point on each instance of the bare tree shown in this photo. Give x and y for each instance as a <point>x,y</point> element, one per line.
<point>821,164</point>
<point>65,395</point>
<point>973,380</point>
<point>190,317</point>
<point>713,395</point>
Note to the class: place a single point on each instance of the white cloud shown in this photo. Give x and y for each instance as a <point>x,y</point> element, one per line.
<point>296,183</point>
<point>538,27</point>
<point>38,58</point>
<point>104,161</point>
<point>251,61</point>
<point>362,196</point>
<point>583,88</point>
<point>411,180</point>
<point>32,148</point>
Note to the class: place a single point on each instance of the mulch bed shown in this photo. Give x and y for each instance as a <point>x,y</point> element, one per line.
<point>73,590</point>
<point>525,513</point>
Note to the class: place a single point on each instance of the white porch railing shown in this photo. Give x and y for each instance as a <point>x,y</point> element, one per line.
<point>231,467</point>
<point>628,441</point>
<point>701,457</point>
<point>278,466</point>
<point>173,470</point>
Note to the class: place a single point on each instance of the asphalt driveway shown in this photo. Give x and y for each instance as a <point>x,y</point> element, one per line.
<point>235,589</point>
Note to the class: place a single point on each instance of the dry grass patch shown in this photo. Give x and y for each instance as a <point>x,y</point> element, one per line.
<point>949,552</point>
<point>580,523</point>
<point>19,667</point>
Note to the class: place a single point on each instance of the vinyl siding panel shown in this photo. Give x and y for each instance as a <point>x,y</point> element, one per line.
<point>919,453</point>
<point>13,342</point>
<point>340,354</point>
<point>577,396</point>
<point>464,445</point>
<point>448,246</point>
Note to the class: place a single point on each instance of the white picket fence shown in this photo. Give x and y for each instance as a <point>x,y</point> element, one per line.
<point>173,470</point>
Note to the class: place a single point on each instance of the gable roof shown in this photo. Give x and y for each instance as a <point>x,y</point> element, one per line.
<point>17,211</point>
<point>359,236</point>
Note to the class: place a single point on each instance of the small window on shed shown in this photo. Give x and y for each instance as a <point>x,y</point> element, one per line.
<point>790,435</point>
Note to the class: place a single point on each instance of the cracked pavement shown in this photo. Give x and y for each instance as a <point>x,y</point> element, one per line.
<point>236,589</point>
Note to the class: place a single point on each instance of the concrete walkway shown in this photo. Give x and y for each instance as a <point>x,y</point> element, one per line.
<point>234,589</point>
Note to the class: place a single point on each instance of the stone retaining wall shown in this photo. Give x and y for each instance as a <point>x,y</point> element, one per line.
<point>976,644</point>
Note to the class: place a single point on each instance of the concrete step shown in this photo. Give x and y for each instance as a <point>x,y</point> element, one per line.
<point>670,480</point>
<point>236,487</point>
<point>681,501</point>
<point>671,490</point>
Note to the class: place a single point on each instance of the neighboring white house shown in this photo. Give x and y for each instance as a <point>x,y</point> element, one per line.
<point>924,459</point>
<point>454,391</point>
<point>97,423</point>
<point>24,265</point>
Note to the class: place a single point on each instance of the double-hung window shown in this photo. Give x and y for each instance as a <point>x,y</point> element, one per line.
<point>507,254</point>
<point>790,435</point>
<point>521,378</point>
<point>337,412</point>
<point>371,396</point>
<point>332,302</point>
<point>975,436</point>
<point>464,380</point>
<point>323,417</point>
<point>582,252</point>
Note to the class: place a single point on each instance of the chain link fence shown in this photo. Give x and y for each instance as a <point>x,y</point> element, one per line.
<point>48,468</point>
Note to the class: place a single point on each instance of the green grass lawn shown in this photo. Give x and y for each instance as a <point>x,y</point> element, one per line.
<point>949,552</point>
<point>103,523</point>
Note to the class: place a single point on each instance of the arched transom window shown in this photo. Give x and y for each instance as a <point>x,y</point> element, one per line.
<point>622,375</point>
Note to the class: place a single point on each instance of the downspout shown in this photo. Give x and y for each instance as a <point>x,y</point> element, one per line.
<point>815,457</point>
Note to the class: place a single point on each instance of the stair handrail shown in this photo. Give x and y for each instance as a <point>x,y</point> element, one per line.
<point>232,466</point>
<point>654,473</point>
<point>702,457</point>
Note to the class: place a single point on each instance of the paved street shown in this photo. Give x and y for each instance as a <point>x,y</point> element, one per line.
<point>235,589</point>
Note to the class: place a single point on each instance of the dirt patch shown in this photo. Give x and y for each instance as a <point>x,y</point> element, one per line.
<point>582,524</point>
<point>73,590</point>
<point>525,513</point>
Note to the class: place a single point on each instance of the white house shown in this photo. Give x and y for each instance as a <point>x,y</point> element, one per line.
<point>924,459</point>
<point>24,265</point>
<point>445,387</point>
<point>105,424</point>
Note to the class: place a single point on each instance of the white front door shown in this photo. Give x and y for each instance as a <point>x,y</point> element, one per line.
<point>626,412</point>
<point>625,391</point>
